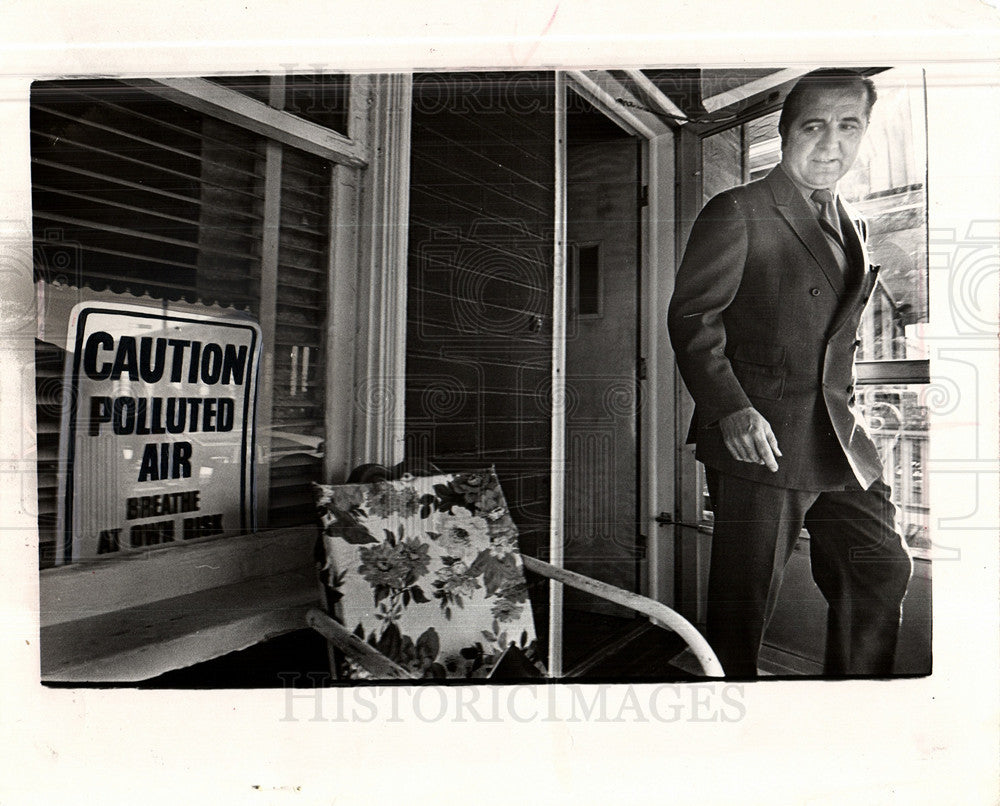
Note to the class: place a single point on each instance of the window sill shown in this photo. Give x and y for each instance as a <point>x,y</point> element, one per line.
<point>136,618</point>
<point>143,642</point>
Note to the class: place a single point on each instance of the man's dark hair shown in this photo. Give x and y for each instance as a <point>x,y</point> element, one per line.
<point>828,78</point>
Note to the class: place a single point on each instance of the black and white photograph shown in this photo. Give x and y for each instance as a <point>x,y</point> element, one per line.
<point>211,386</point>
<point>572,389</point>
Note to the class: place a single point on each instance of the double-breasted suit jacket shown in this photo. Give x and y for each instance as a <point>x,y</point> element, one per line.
<point>762,315</point>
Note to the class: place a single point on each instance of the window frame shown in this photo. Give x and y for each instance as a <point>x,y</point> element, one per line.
<point>365,341</point>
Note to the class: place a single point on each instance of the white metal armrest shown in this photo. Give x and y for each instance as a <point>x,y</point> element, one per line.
<point>657,612</point>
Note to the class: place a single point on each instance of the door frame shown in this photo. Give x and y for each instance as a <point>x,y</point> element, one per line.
<point>658,429</point>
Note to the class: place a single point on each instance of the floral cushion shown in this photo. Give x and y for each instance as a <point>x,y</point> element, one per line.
<point>427,570</point>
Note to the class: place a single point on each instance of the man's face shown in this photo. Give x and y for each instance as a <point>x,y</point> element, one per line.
<point>822,142</point>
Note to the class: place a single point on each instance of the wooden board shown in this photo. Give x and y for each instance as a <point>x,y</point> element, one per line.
<point>131,620</point>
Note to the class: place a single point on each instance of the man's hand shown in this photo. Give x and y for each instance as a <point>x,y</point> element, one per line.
<point>749,438</point>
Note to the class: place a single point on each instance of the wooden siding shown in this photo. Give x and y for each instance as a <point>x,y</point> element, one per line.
<point>479,324</point>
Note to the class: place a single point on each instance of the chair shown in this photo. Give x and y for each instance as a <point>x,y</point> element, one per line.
<point>424,579</point>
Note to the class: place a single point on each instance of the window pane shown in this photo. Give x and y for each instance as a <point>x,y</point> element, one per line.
<point>257,87</point>
<point>763,144</point>
<point>297,421</point>
<point>887,186</point>
<point>897,422</point>
<point>152,197</point>
<point>141,197</point>
<point>320,98</point>
<point>723,158</point>
<point>740,154</point>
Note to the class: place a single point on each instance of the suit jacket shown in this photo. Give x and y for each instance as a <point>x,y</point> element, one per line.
<point>762,315</point>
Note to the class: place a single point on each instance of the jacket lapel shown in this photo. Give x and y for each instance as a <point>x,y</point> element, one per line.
<point>862,276</point>
<point>853,227</point>
<point>797,214</point>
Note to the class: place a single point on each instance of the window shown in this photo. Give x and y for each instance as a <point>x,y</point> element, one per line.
<point>887,185</point>
<point>135,195</point>
<point>256,87</point>
<point>320,98</point>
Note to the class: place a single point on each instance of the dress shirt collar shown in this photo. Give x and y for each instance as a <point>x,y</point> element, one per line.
<point>807,192</point>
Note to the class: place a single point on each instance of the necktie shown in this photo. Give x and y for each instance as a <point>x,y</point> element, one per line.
<point>828,215</point>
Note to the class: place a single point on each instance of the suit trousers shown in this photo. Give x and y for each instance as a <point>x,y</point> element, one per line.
<point>859,562</point>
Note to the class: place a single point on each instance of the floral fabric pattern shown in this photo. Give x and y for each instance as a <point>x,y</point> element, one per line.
<point>427,570</point>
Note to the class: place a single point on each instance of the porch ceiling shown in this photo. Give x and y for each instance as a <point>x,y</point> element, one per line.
<point>705,99</point>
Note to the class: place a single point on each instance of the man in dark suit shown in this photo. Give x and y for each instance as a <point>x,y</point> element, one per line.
<point>764,321</point>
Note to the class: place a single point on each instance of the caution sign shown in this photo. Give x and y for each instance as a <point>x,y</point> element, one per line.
<point>157,438</point>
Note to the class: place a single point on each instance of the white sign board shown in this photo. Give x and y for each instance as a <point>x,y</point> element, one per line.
<point>157,439</point>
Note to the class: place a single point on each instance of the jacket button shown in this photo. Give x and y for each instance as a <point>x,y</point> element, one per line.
<point>814,292</point>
